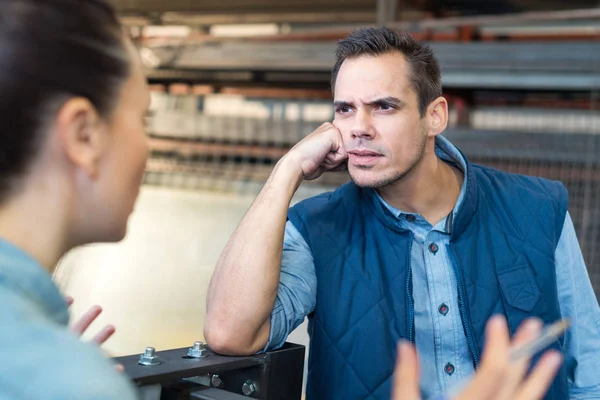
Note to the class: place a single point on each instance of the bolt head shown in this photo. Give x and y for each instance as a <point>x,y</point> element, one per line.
<point>216,381</point>
<point>197,352</point>
<point>249,387</point>
<point>149,357</point>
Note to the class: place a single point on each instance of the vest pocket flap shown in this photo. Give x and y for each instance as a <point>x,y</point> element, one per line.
<point>519,288</point>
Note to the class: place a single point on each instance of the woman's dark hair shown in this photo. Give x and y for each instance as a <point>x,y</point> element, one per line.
<point>50,51</point>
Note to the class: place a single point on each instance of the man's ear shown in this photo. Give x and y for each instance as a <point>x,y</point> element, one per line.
<point>80,133</point>
<point>437,116</point>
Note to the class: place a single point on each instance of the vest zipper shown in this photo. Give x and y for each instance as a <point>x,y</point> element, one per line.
<point>409,297</point>
<point>461,303</point>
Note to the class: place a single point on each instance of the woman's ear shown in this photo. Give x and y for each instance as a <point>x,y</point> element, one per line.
<point>80,134</point>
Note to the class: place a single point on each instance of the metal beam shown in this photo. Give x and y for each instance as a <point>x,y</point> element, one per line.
<point>282,17</point>
<point>386,11</point>
<point>242,6</point>
<point>486,20</point>
<point>558,65</point>
<point>590,14</point>
<point>216,394</point>
<point>271,376</point>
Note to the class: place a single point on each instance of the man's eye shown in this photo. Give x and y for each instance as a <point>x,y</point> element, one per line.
<point>342,109</point>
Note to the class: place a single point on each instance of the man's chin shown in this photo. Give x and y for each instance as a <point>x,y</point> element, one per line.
<point>365,179</point>
<point>373,179</point>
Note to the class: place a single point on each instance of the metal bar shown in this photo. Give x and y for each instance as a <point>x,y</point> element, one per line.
<point>188,148</point>
<point>175,365</point>
<point>240,6</point>
<point>284,374</point>
<point>271,18</point>
<point>545,16</point>
<point>521,81</point>
<point>216,394</point>
<point>299,17</point>
<point>553,147</point>
<point>386,12</point>
<point>570,56</point>
<point>274,375</point>
<point>196,75</point>
<point>479,21</point>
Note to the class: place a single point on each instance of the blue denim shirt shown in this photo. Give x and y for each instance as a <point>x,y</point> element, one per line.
<point>439,336</point>
<point>41,358</point>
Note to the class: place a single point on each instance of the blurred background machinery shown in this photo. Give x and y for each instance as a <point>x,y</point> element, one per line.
<point>236,83</point>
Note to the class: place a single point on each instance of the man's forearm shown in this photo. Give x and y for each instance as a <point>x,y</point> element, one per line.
<point>244,285</point>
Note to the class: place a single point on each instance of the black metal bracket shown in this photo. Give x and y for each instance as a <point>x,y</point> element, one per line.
<point>274,375</point>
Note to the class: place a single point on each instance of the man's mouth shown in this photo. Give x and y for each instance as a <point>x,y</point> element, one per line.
<point>363,157</point>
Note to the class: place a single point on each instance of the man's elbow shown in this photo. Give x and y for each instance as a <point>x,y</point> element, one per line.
<point>229,341</point>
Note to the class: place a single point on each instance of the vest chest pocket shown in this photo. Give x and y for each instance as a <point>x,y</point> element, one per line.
<point>519,287</point>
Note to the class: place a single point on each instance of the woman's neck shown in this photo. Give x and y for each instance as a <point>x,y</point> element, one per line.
<point>36,220</point>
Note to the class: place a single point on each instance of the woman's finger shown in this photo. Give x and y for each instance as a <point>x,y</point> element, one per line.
<point>104,335</point>
<point>86,320</point>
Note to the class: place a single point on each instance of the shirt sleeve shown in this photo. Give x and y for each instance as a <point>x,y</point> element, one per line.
<point>49,362</point>
<point>297,291</point>
<point>578,302</point>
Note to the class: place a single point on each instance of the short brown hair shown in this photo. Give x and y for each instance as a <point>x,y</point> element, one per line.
<point>424,68</point>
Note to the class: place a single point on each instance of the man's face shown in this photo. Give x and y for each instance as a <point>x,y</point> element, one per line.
<point>376,111</point>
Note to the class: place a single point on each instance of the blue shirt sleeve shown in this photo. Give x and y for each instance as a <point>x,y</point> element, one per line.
<point>43,360</point>
<point>297,292</point>
<point>578,303</point>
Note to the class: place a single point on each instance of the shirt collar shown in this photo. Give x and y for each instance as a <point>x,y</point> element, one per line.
<point>21,273</point>
<point>450,154</point>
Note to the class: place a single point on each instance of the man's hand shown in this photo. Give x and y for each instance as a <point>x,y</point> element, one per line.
<point>322,150</point>
<point>498,378</point>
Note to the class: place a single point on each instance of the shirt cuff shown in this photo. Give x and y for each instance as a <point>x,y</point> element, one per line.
<point>277,332</point>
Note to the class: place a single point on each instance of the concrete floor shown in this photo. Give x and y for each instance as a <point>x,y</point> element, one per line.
<point>153,284</point>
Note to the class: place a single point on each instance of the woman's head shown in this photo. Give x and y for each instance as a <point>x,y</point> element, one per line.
<point>72,104</point>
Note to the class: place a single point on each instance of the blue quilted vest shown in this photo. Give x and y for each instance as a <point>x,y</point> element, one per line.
<point>502,251</point>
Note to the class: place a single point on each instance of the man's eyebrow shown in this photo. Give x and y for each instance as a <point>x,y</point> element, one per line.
<point>342,104</point>
<point>389,100</point>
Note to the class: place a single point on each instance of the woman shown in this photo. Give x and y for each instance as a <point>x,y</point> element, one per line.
<point>72,156</point>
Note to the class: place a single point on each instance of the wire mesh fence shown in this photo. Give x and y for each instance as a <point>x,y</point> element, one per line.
<point>230,142</point>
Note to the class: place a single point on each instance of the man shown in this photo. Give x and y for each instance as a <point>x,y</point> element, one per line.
<point>421,245</point>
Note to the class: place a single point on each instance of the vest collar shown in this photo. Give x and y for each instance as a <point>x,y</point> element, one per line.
<point>459,220</point>
<point>468,207</point>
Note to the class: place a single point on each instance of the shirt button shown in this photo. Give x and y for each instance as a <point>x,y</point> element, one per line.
<point>410,218</point>
<point>449,369</point>
<point>433,248</point>
<point>443,309</point>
